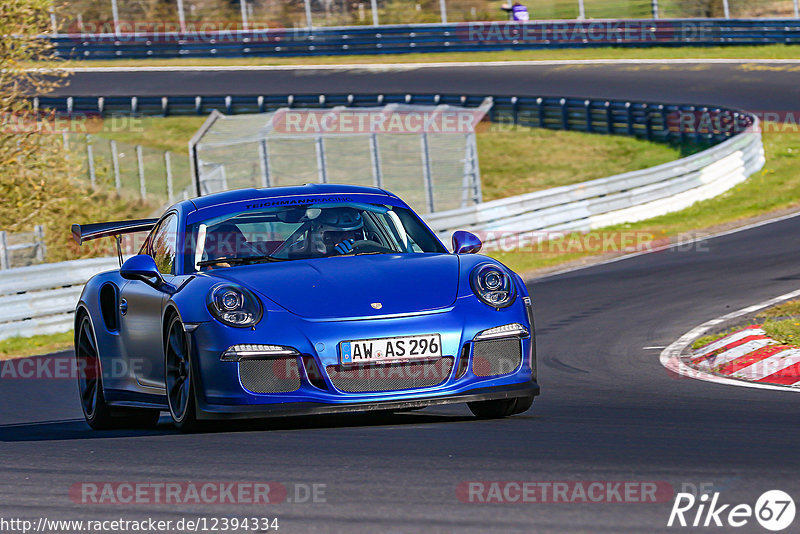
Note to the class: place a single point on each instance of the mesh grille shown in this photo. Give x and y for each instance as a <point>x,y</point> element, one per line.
<point>496,357</point>
<point>390,377</point>
<point>279,375</point>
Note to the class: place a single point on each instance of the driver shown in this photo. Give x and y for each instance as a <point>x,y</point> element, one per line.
<point>338,229</point>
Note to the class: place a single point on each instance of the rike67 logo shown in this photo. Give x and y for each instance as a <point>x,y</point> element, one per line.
<point>774,510</point>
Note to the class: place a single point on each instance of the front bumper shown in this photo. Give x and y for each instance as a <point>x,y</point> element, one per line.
<point>221,394</point>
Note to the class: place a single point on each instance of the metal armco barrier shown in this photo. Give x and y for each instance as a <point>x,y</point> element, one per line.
<point>398,39</point>
<point>41,299</point>
<point>628,197</point>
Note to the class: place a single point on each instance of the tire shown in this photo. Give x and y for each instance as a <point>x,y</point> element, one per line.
<point>97,413</point>
<point>178,377</point>
<point>496,409</point>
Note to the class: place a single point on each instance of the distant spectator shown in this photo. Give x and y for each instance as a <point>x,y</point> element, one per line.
<point>516,12</point>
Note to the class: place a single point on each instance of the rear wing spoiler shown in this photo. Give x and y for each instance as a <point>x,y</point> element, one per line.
<point>86,232</point>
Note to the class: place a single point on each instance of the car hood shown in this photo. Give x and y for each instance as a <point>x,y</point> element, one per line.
<point>355,286</point>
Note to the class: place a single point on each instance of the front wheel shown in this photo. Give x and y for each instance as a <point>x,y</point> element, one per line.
<point>178,373</point>
<point>495,409</point>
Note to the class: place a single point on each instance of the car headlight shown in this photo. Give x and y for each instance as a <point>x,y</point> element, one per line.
<point>493,285</point>
<point>234,305</point>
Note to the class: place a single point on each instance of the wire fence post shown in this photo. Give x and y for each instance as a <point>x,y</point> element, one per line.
<point>426,171</point>
<point>90,158</point>
<point>797,9</point>
<point>321,163</point>
<point>243,6</point>
<point>115,164</point>
<point>263,156</point>
<point>726,8</point>
<point>53,22</point>
<point>377,177</point>
<point>654,7</point>
<point>443,8</point>
<point>374,7</point>
<point>181,16</point>
<point>38,241</point>
<point>115,16</point>
<point>140,161</point>
<point>581,10</point>
<point>168,167</point>
<point>3,251</point>
<point>308,14</point>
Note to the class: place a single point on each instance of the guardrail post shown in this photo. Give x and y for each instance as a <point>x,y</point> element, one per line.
<point>90,160</point>
<point>198,105</point>
<point>38,240</point>
<point>629,117</point>
<point>426,170</point>
<point>134,105</point>
<point>321,163</point>
<point>540,110</point>
<point>165,106</point>
<point>308,14</point>
<point>115,164</point>
<point>263,153</point>
<point>609,118</point>
<point>443,9</point>
<point>168,167</point>
<point>140,161</point>
<point>4,263</point>
<point>587,104</point>
<point>377,177</point>
<point>726,8</point>
<point>515,110</point>
<point>564,114</point>
<point>796,9</point>
<point>648,124</point>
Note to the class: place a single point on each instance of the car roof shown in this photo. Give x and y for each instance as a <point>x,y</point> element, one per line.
<point>238,195</point>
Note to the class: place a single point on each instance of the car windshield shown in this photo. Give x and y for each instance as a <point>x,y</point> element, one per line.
<point>306,232</point>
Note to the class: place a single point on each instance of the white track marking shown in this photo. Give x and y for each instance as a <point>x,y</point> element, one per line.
<point>670,357</point>
<point>654,347</point>
<point>727,340</point>
<point>736,352</point>
<point>413,66</point>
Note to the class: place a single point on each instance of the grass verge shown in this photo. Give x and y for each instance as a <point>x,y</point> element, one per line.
<point>780,322</point>
<point>18,347</point>
<point>776,187</point>
<point>714,52</point>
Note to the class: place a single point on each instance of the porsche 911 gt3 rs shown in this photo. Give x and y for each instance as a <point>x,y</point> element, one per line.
<point>299,300</point>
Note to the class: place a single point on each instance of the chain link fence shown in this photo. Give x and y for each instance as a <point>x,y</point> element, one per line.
<point>204,16</point>
<point>425,154</point>
<point>156,176</point>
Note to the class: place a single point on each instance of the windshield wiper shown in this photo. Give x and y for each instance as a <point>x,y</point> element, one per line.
<point>239,261</point>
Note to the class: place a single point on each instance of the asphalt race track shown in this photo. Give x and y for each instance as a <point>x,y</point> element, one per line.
<point>609,411</point>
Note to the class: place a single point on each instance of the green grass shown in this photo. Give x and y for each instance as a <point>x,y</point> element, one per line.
<point>786,309</point>
<point>781,322</point>
<point>717,52</point>
<point>18,347</point>
<point>775,187</point>
<point>162,133</point>
<point>785,331</point>
<point>519,160</point>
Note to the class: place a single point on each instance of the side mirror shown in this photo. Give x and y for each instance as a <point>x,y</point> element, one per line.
<point>143,268</point>
<point>466,243</point>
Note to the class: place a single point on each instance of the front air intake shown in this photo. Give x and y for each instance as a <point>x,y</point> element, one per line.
<point>496,357</point>
<point>390,377</point>
<point>275,375</point>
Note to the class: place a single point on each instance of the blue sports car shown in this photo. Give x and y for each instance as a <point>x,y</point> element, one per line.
<point>298,300</point>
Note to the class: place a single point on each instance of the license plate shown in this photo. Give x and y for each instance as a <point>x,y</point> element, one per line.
<point>390,349</point>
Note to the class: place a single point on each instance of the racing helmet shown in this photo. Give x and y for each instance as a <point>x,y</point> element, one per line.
<point>336,224</point>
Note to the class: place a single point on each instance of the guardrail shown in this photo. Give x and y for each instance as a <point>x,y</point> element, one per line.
<point>41,299</point>
<point>418,38</point>
<point>653,121</point>
<point>622,198</point>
